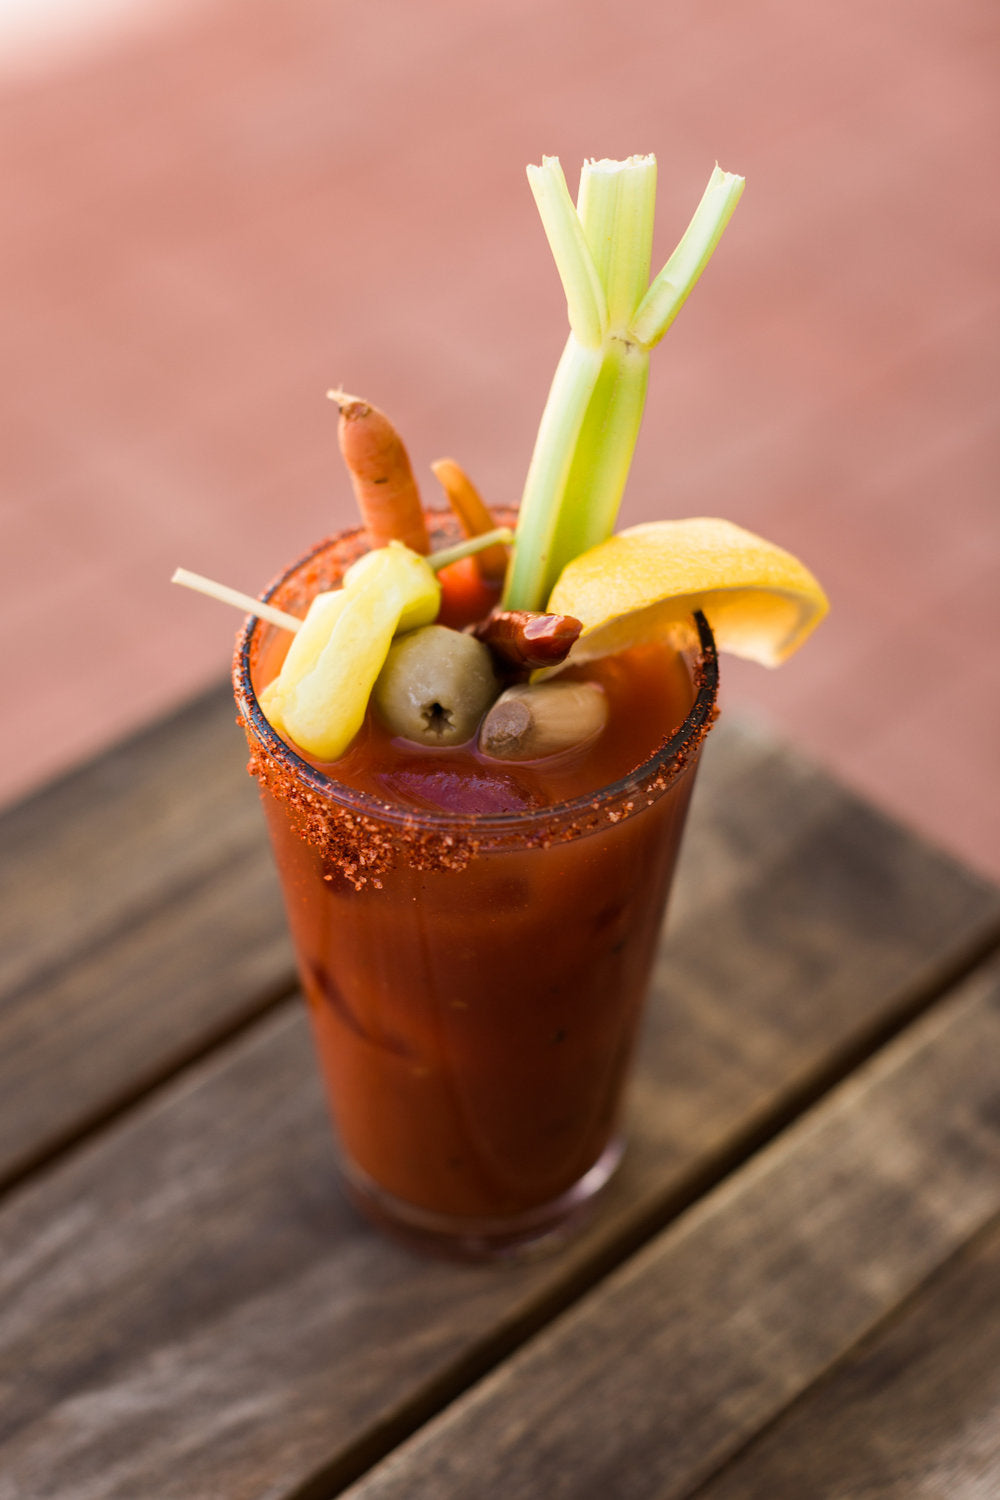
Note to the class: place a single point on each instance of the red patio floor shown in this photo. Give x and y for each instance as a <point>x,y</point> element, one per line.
<point>210,219</point>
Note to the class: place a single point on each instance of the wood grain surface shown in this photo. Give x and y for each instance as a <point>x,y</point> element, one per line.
<point>190,1308</point>
<point>115,838</point>
<point>141,920</point>
<point>913,1415</point>
<point>667,1368</point>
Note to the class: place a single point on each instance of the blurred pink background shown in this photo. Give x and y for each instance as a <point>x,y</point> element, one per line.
<point>213,210</point>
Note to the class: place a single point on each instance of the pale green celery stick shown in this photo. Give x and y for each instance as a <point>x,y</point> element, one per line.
<point>670,290</point>
<point>596,480</point>
<point>615,204</point>
<point>596,205</point>
<point>587,391</point>
<point>585,298</point>
<point>591,420</point>
<point>532,560</point>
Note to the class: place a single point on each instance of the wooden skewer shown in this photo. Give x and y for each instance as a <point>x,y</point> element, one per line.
<point>245,602</point>
<point>222,591</point>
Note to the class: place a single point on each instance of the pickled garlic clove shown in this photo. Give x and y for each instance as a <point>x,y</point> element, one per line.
<point>532,720</point>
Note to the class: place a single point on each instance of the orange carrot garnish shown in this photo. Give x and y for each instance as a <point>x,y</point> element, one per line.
<point>466,596</point>
<point>473,516</point>
<point>383,481</point>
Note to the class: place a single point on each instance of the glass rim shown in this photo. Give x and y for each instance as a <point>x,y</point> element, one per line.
<point>675,749</point>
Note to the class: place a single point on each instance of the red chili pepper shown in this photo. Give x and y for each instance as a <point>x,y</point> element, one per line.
<point>524,638</point>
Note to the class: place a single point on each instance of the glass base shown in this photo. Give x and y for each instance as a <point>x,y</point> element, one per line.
<point>521,1236</point>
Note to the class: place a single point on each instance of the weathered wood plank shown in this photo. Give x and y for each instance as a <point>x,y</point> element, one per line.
<point>807,928</point>
<point>82,859</point>
<point>191,1309</point>
<point>670,1365</point>
<point>147,875</point>
<point>118,1019</point>
<point>916,1412</point>
<point>141,919</point>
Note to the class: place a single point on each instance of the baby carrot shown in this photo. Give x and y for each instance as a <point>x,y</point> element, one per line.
<point>383,481</point>
<point>465,594</point>
<point>474,518</point>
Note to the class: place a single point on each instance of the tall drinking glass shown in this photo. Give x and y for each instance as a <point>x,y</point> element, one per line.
<point>475,981</point>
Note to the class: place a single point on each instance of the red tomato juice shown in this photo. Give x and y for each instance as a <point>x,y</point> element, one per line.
<point>475,939</point>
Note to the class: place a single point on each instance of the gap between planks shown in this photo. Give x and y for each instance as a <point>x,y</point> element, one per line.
<point>711,1174</point>
<point>489,1421</point>
<point>98,1122</point>
<point>809,1085</point>
<point>597,1259</point>
<point>895,1317</point>
<point>842,1062</point>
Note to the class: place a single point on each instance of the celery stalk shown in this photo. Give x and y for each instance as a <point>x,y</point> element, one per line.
<point>615,205</point>
<point>602,457</point>
<point>587,435</point>
<point>533,558</point>
<point>585,295</point>
<point>670,290</point>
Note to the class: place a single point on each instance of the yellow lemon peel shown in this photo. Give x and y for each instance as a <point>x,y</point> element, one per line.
<point>645,582</point>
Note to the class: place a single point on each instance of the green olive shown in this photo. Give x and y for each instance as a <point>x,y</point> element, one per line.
<point>435,686</point>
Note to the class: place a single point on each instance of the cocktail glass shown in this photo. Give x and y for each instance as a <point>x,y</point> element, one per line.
<point>475,981</point>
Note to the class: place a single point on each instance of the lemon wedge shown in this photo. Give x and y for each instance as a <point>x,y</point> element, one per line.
<point>646,581</point>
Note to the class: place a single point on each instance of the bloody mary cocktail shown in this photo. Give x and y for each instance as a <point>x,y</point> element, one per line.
<point>475,940</point>
<point>476,795</point>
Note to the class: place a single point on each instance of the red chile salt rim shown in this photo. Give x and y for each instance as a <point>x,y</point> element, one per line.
<point>360,836</point>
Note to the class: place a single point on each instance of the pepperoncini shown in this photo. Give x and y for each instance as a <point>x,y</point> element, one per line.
<point>320,695</point>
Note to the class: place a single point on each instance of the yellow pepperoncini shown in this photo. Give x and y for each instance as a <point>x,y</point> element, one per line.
<point>320,695</point>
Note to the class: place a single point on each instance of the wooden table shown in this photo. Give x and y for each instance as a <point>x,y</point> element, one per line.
<point>793,1287</point>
